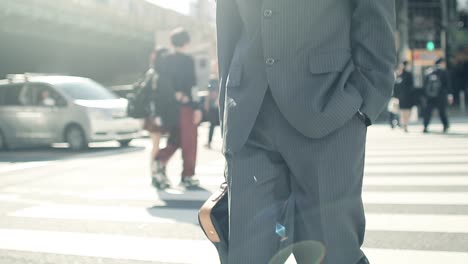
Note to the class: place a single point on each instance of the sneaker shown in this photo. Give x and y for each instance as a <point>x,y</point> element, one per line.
<point>445,130</point>
<point>425,131</point>
<point>158,177</point>
<point>190,182</point>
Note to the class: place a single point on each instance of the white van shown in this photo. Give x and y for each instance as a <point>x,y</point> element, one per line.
<point>41,110</point>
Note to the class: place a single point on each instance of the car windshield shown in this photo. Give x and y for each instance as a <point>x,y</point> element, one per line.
<point>85,89</point>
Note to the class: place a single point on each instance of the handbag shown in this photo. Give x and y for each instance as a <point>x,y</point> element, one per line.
<point>139,103</point>
<point>213,217</point>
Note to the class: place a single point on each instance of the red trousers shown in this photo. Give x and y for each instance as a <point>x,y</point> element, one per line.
<point>183,136</point>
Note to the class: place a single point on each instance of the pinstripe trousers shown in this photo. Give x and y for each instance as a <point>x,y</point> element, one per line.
<point>290,194</point>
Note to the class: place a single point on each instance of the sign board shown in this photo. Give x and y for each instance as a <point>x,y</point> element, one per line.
<point>422,57</point>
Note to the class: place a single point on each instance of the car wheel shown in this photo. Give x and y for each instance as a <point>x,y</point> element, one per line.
<point>125,143</point>
<point>75,138</point>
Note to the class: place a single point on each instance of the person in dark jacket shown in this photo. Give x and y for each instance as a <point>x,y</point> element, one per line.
<point>404,88</point>
<point>180,69</point>
<point>161,107</point>
<point>437,94</point>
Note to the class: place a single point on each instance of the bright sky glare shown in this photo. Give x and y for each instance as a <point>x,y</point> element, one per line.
<point>463,4</point>
<point>182,6</point>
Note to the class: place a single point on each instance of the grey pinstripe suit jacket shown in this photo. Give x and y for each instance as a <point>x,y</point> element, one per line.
<point>323,60</point>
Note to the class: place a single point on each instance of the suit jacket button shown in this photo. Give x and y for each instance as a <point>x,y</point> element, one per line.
<point>267,13</point>
<point>270,61</point>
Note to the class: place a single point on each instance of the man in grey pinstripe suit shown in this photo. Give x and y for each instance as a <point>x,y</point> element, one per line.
<point>300,82</point>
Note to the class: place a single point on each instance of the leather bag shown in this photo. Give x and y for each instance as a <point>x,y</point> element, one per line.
<point>214,220</point>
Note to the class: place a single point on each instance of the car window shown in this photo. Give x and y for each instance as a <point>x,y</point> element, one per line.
<point>85,89</point>
<point>14,95</point>
<point>43,95</point>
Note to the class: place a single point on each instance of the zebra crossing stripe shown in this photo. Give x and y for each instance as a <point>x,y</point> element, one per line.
<point>402,163</point>
<point>23,166</point>
<point>375,222</point>
<point>377,152</point>
<point>429,168</point>
<point>417,223</point>
<point>108,213</point>
<point>108,246</point>
<point>167,250</point>
<point>414,160</point>
<point>129,194</point>
<point>392,256</point>
<point>416,181</point>
<point>416,198</point>
<point>442,180</point>
<point>369,197</point>
<point>461,180</point>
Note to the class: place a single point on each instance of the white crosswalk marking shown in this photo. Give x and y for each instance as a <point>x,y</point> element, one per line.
<point>109,246</point>
<point>101,213</point>
<point>417,181</point>
<point>418,223</point>
<point>415,193</point>
<point>385,256</point>
<point>381,222</point>
<point>198,252</point>
<point>434,198</point>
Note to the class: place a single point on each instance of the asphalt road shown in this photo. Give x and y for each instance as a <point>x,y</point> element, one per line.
<point>98,207</point>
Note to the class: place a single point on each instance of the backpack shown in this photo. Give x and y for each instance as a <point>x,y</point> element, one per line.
<point>139,104</point>
<point>433,85</point>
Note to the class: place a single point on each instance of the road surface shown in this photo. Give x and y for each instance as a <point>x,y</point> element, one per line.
<point>98,207</point>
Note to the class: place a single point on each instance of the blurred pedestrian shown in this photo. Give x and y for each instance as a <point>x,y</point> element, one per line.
<point>437,94</point>
<point>393,110</point>
<point>300,83</point>
<point>161,107</point>
<point>212,107</point>
<point>180,68</point>
<point>404,90</point>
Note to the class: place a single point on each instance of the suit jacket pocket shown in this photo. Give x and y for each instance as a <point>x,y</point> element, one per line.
<point>234,76</point>
<point>330,61</point>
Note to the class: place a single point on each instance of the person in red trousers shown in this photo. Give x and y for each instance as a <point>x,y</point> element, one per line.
<point>180,69</point>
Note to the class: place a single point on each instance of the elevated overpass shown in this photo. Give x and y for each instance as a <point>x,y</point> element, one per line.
<point>107,40</point>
